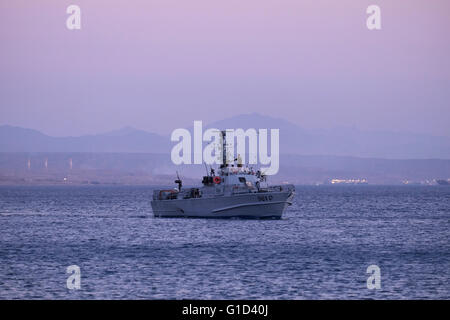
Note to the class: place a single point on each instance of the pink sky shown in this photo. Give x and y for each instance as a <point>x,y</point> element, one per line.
<point>158,65</point>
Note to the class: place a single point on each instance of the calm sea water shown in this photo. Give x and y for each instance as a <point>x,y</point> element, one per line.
<point>319,250</point>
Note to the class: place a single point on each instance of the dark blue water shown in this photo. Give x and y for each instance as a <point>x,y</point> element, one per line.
<point>319,250</point>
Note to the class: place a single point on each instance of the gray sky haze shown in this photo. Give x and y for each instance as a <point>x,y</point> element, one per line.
<point>159,65</point>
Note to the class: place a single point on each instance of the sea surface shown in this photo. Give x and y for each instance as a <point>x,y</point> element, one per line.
<point>319,250</point>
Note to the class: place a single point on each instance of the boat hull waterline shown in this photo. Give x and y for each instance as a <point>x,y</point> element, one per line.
<point>248,206</point>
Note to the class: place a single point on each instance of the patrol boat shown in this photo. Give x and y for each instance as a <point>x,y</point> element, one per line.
<point>235,191</point>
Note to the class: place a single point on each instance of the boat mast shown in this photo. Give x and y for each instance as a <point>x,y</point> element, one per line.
<point>224,148</point>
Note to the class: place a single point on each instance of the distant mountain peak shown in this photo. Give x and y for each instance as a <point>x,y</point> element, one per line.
<point>257,121</point>
<point>7,129</point>
<point>122,131</point>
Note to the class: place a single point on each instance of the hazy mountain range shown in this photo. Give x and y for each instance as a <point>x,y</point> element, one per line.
<point>293,140</point>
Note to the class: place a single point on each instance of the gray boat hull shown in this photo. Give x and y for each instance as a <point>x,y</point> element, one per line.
<point>246,205</point>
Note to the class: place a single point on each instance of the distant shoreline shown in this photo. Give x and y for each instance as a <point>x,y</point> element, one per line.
<point>157,169</point>
<point>99,185</point>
